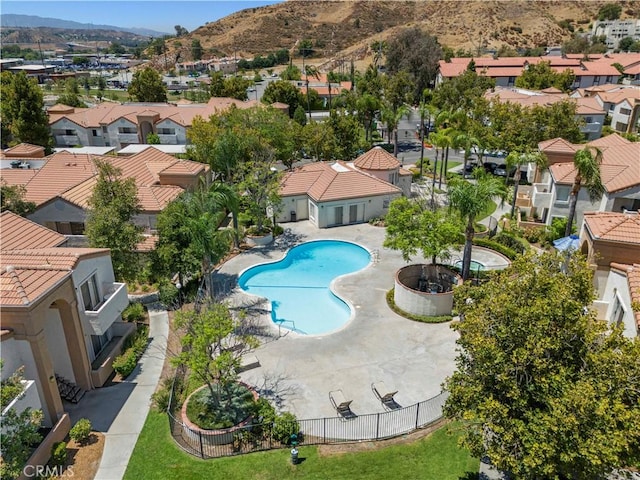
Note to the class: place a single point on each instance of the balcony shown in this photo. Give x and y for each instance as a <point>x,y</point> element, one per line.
<point>114,302</point>
<point>128,138</point>
<point>524,197</point>
<point>168,139</point>
<point>67,140</point>
<point>541,195</point>
<point>29,398</point>
<point>591,127</point>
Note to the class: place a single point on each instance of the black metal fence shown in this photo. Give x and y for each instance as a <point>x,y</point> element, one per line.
<point>256,437</point>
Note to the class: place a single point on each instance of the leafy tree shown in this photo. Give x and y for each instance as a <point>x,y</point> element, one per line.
<point>181,31</point>
<point>153,139</point>
<point>470,200</point>
<point>461,92</point>
<point>292,72</point>
<point>71,96</point>
<point>412,227</point>
<point>300,115</point>
<point>146,86</point>
<point>367,106</point>
<point>20,431</point>
<point>540,76</point>
<point>213,345</point>
<point>543,388</point>
<point>346,134</point>
<point>319,140</point>
<point>305,47</point>
<point>391,117</point>
<point>284,92</point>
<point>22,109</point>
<point>587,164</point>
<point>112,207</point>
<point>12,199</point>
<point>628,44</point>
<point>196,49</point>
<point>610,11</point>
<point>236,87</point>
<point>417,53</point>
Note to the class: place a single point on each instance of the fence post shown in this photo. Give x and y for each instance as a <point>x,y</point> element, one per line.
<point>417,413</point>
<point>201,446</point>
<point>324,430</point>
<point>377,425</point>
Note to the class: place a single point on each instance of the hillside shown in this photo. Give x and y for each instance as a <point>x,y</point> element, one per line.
<point>339,28</point>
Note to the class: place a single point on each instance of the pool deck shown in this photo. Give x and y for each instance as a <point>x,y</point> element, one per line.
<point>299,371</point>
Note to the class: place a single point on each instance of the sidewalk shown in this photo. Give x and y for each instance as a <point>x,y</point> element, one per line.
<point>119,411</point>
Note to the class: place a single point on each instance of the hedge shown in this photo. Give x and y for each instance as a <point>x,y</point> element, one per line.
<point>134,347</point>
<point>498,247</point>
<point>416,318</point>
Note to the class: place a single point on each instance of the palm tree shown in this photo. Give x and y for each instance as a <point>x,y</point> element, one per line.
<point>517,160</point>
<point>587,165</point>
<point>471,199</point>
<point>437,139</point>
<point>426,110</point>
<point>466,141</point>
<point>391,117</point>
<point>310,71</point>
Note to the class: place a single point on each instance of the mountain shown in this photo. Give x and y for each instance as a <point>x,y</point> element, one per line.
<point>8,20</point>
<point>347,28</point>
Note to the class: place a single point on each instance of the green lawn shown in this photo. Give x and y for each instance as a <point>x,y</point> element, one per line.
<point>489,210</point>
<point>434,457</point>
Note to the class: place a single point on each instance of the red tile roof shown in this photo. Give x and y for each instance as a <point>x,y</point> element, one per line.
<point>18,232</point>
<point>25,150</point>
<point>614,227</point>
<point>377,159</point>
<point>324,182</point>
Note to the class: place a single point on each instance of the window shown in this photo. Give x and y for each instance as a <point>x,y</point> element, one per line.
<point>98,342</point>
<point>617,314</point>
<point>90,296</point>
<point>126,130</point>
<point>94,132</point>
<point>385,203</point>
<point>77,228</point>
<point>312,210</point>
<point>611,107</point>
<point>166,131</point>
<point>625,111</point>
<point>69,132</point>
<point>393,178</point>
<point>562,193</point>
<point>589,120</point>
<point>609,79</point>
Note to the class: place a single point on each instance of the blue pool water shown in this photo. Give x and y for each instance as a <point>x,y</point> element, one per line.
<point>474,266</point>
<point>298,285</point>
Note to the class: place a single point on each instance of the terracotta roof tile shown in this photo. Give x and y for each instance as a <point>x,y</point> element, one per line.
<point>18,232</point>
<point>612,140</point>
<point>147,244</point>
<point>25,150</point>
<point>324,182</point>
<point>614,227</point>
<point>559,145</point>
<point>377,159</point>
<point>23,286</point>
<point>16,176</point>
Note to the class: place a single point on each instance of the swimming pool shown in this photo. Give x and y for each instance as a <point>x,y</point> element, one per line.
<point>474,266</point>
<point>298,286</point>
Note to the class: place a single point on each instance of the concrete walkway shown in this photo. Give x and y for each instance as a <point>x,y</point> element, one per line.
<point>119,411</point>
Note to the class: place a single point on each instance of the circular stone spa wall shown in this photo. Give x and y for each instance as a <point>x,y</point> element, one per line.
<point>425,290</point>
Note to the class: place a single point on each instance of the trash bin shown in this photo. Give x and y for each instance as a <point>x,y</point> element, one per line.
<point>294,216</point>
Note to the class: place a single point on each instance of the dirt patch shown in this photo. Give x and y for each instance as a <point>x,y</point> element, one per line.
<point>342,448</point>
<point>83,460</point>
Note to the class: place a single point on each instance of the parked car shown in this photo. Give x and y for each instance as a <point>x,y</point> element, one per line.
<point>489,167</point>
<point>501,170</point>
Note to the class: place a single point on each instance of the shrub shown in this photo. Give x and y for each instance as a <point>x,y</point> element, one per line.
<point>59,453</point>
<point>134,347</point>
<point>498,247</point>
<point>161,398</point>
<point>533,235</point>
<point>168,293</point>
<point>284,426</point>
<point>511,241</point>
<point>81,431</point>
<point>11,388</point>
<point>556,229</point>
<point>133,313</point>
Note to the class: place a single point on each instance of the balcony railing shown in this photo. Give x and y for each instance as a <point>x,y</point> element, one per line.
<point>591,127</point>
<point>541,195</point>
<point>29,398</point>
<point>524,197</point>
<point>114,302</point>
<point>168,139</point>
<point>128,138</point>
<point>67,140</point>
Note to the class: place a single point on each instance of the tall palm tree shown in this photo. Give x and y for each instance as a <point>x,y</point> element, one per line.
<point>517,160</point>
<point>471,199</point>
<point>426,111</point>
<point>310,71</point>
<point>466,141</point>
<point>392,117</point>
<point>587,163</point>
<point>438,140</point>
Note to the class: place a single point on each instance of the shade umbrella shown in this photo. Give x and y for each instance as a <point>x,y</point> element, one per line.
<point>567,243</point>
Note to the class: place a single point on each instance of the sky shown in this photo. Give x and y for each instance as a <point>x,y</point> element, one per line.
<point>160,15</point>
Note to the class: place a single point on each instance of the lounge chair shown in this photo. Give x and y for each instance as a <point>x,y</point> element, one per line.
<point>340,403</point>
<point>385,395</point>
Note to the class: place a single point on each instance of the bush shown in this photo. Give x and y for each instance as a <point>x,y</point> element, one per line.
<point>59,453</point>
<point>11,388</point>
<point>498,247</point>
<point>556,229</point>
<point>134,347</point>
<point>510,241</point>
<point>533,235</point>
<point>284,426</point>
<point>133,313</point>
<point>168,294</point>
<point>161,398</point>
<point>81,431</point>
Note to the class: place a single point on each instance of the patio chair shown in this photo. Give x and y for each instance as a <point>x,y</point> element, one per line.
<point>341,404</point>
<point>385,395</point>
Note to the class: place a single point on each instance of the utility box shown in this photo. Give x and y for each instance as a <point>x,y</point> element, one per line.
<point>294,216</point>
